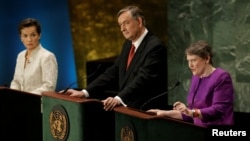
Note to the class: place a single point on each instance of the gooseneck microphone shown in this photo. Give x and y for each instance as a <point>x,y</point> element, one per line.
<point>89,76</point>
<point>162,94</point>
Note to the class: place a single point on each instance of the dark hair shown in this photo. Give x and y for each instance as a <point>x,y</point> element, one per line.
<point>200,48</point>
<point>135,11</point>
<point>28,23</point>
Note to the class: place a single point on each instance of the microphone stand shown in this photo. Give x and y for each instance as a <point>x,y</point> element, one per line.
<point>162,94</point>
<point>92,74</point>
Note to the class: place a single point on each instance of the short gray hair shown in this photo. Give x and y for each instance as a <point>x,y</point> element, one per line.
<point>135,13</point>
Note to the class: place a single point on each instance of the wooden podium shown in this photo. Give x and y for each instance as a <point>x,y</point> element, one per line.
<point>133,125</point>
<point>21,117</point>
<point>76,119</point>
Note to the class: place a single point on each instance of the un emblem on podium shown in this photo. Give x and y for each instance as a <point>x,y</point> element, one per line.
<point>128,132</point>
<point>59,125</point>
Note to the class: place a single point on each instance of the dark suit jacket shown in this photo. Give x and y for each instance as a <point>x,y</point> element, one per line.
<point>145,78</point>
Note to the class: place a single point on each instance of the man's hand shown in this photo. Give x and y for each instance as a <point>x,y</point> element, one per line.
<point>74,93</point>
<point>110,103</point>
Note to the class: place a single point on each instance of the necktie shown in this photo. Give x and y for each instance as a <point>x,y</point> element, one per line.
<point>131,55</point>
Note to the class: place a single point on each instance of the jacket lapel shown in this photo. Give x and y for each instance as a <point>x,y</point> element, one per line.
<point>134,61</point>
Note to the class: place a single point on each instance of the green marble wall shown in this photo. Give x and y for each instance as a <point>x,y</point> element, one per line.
<point>225,24</point>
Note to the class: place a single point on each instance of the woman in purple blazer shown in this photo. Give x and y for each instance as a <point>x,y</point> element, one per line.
<point>211,94</point>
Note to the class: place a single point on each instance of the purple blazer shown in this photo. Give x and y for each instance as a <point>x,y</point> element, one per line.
<point>214,96</point>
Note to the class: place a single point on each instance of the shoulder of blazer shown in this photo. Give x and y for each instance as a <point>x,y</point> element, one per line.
<point>151,38</point>
<point>151,41</point>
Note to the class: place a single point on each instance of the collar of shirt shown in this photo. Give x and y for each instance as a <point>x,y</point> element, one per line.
<point>138,42</point>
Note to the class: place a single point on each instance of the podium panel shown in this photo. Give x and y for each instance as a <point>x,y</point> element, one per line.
<point>75,119</point>
<point>163,129</point>
<point>21,117</point>
<point>134,125</point>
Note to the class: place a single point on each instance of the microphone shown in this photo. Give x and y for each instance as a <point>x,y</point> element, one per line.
<point>162,94</point>
<point>89,76</point>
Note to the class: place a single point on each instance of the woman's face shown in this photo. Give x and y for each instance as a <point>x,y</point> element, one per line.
<point>197,65</point>
<point>30,37</point>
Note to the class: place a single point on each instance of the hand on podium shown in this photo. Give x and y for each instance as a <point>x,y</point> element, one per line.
<point>110,103</point>
<point>166,113</point>
<point>74,93</point>
<point>157,112</point>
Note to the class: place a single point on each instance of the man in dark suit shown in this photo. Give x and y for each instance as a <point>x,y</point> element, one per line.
<point>146,75</point>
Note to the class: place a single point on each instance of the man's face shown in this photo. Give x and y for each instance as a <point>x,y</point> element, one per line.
<point>130,27</point>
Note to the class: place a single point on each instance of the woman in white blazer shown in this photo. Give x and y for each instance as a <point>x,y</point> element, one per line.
<point>36,67</point>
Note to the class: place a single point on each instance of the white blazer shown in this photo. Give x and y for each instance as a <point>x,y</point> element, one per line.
<point>40,73</point>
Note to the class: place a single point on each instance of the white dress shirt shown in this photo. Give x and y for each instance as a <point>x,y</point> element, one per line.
<point>40,73</point>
